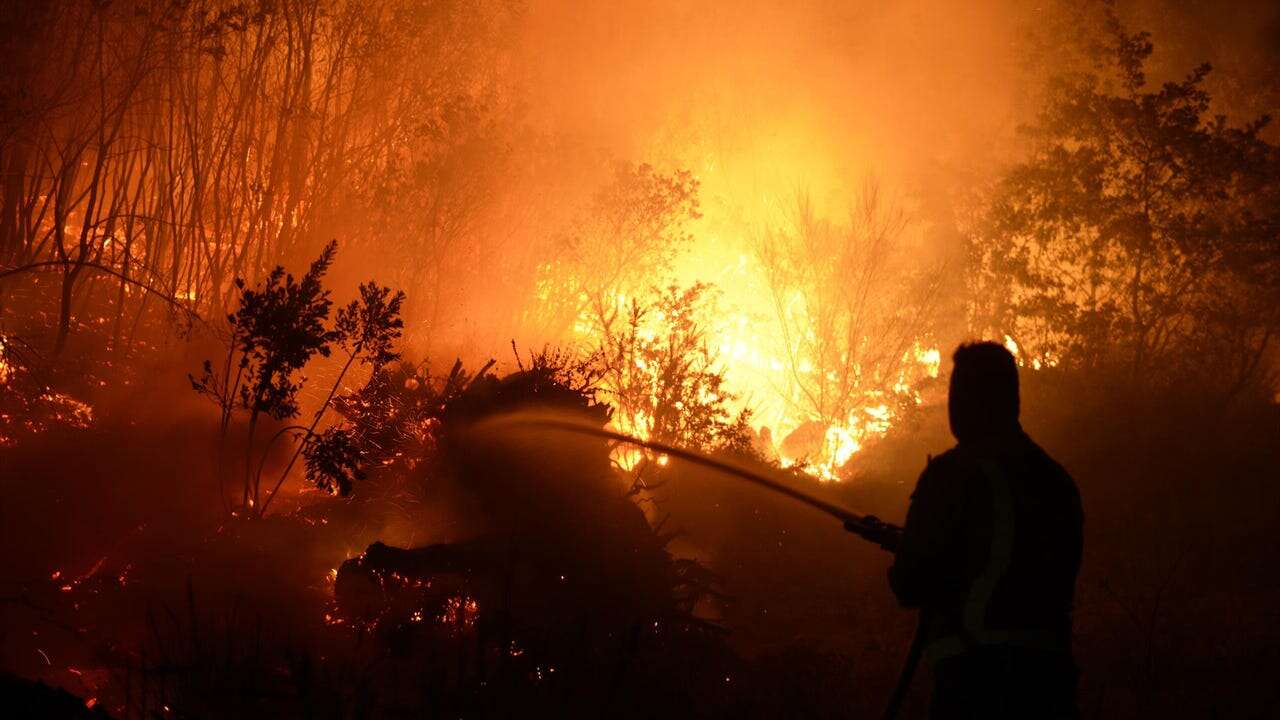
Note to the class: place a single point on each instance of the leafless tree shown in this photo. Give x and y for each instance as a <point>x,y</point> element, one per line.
<point>852,303</point>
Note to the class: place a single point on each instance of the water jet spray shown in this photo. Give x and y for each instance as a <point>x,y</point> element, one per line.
<point>868,527</point>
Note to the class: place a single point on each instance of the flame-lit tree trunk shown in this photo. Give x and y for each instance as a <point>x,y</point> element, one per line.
<point>111,97</point>
<point>183,145</point>
<point>13,172</point>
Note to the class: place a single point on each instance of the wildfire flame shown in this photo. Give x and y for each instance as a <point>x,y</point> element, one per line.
<point>761,379</point>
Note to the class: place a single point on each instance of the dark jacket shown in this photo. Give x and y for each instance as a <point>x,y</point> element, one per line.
<point>991,549</point>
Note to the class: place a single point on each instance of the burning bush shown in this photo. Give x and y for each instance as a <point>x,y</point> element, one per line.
<point>559,546</point>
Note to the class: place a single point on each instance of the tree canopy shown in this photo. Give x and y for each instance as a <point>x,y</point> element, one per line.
<point>1140,232</point>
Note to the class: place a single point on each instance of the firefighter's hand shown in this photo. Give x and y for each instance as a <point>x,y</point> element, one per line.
<point>877,531</point>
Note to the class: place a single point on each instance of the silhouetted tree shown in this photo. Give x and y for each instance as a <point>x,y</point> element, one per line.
<point>182,145</point>
<point>277,328</point>
<point>365,330</point>
<point>1140,232</point>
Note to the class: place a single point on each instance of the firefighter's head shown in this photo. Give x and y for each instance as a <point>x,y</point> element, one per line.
<point>984,392</point>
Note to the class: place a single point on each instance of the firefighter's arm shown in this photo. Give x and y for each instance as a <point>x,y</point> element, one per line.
<point>929,538</point>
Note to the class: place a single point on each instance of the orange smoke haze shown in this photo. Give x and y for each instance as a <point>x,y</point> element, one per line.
<point>765,103</point>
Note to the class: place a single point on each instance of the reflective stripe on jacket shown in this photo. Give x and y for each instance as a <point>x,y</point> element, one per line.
<point>991,549</point>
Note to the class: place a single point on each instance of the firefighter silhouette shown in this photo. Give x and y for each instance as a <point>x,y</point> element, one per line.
<point>990,553</point>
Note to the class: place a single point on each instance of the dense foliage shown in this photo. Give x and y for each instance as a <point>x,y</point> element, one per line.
<point>1139,235</point>
<point>278,328</point>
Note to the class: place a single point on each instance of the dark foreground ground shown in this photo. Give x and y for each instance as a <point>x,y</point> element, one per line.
<point>123,585</point>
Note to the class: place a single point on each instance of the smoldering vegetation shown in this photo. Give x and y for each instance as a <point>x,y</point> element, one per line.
<point>265,267</point>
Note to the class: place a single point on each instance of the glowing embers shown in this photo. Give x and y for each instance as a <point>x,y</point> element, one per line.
<point>27,405</point>
<point>460,612</point>
<point>6,369</point>
<point>92,580</point>
<point>64,409</point>
<point>370,597</point>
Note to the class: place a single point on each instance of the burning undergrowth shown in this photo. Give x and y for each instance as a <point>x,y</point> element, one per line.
<point>555,526</point>
<point>29,404</point>
<point>526,567</point>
